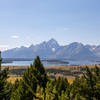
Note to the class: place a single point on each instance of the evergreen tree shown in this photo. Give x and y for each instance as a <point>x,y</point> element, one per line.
<point>63,96</point>
<point>5,87</point>
<point>62,84</point>
<point>33,77</point>
<point>0,60</point>
<point>36,86</point>
<point>55,87</point>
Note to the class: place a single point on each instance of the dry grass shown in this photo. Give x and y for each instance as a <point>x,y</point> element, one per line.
<point>13,78</point>
<point>15,67</point>
<point>52,67</point>
<point>70,79</point>
<point>70,67</point>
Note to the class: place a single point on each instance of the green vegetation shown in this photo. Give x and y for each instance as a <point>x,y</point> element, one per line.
<point>36,85</point>
<point>0,60</point>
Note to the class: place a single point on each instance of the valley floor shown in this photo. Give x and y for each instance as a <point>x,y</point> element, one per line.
<point>69,72</point>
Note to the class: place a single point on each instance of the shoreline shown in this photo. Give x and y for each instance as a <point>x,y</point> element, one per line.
<point>53,67</point>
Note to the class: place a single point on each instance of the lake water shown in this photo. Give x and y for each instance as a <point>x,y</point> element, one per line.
<point>27,63</point>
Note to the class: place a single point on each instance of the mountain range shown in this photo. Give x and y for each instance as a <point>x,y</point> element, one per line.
<point>52,50</point>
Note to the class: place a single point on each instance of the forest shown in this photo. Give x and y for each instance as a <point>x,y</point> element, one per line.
<point>37,85</point>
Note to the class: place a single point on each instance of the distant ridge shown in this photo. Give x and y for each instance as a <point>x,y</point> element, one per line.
<point>51,49</point>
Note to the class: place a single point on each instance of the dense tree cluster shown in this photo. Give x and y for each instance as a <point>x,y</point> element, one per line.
<point>36,85</point>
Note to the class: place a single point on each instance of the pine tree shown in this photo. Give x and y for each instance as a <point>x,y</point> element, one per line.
<point>0,60</point>
<point>5,87</point>
<point>33,77</point>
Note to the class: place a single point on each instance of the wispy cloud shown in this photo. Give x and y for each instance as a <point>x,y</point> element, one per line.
<point>15,36</point>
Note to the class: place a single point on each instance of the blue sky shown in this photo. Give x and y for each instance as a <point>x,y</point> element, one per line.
<point>26,22</point>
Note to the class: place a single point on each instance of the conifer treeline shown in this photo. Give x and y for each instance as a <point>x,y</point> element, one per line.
<point>36,85</point>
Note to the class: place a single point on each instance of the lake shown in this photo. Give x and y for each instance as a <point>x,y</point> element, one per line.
<point>27,63</point>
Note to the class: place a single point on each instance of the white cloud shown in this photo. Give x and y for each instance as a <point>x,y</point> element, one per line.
<point>4,47</point>
<point>15,36</point>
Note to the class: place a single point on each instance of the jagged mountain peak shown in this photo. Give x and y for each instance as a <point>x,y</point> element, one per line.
<point>51,48</point>
<point>52,40</point>
<point>53,43</point>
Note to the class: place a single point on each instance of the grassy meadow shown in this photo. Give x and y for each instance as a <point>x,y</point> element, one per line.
<point>69,72</point>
